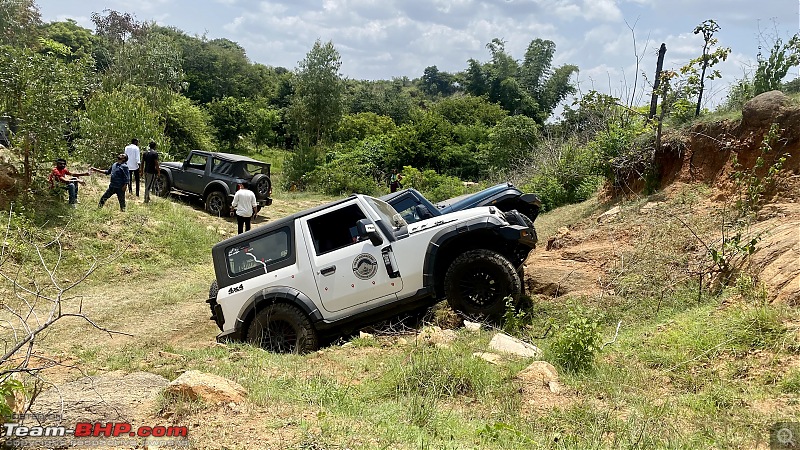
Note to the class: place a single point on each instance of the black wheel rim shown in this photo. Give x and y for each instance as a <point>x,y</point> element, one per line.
<point>158,186</point>
<point>481,287</point>
<point>215,204</point>
<point>262,188</point>
<point>279,336</point>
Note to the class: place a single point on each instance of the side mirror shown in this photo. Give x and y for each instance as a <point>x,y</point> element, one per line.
<point>366,229</point>
<point>185,164</point>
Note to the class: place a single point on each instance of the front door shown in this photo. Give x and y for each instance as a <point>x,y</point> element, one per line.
<point>192,177</point>
<point>348,271</point>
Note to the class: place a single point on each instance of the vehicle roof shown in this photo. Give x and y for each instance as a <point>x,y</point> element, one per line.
<point>468,200</point>
<point>231,157</point>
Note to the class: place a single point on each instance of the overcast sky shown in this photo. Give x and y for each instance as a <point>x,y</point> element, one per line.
<point>382,39</point>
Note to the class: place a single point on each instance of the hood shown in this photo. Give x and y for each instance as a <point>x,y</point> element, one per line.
<point>457,216</point>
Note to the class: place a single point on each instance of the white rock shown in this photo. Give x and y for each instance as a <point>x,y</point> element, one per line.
<point>506,344</point>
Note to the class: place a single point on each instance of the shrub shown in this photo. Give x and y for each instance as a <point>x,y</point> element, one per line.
<point>577,342</point>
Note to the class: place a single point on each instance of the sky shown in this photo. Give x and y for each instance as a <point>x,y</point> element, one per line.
<point>383,39</point>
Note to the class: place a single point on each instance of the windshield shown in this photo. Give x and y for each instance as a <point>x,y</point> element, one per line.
<point>386,212</point>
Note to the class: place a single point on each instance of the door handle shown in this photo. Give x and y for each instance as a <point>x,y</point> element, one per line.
<point>328,270</point>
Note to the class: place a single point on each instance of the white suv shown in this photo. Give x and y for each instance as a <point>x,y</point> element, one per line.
<point>338,267</point>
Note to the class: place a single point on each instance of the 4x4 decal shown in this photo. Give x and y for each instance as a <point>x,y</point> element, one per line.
<point>365,266</point>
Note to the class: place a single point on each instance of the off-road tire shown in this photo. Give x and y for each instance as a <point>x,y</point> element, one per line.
<point>161,185</point>
<point>212,303</point>
<point>282,328</point>
<point>478,281</point>
<point>261,185</point>
<point>217,203</point>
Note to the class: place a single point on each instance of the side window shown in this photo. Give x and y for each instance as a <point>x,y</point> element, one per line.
<point>259,253</point>
<point>336,229</point>
<point>198,161</point>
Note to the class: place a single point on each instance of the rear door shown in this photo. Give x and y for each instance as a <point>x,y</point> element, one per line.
<point>348,271</point>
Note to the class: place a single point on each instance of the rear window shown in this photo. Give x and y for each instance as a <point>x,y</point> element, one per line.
<point>260,253</point>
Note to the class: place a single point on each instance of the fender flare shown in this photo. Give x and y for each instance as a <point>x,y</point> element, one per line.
<point>276,294</point>
<point>216,185</point>
<point>443,236</point>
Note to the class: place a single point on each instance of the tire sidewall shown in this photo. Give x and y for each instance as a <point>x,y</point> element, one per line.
<point>490,262</point>
<point>217,197</point>
<point>280,312</point>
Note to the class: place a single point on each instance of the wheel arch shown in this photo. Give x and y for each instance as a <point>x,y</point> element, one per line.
<point>272,295</point>
<point>216,186</point>
<point>446,245</point>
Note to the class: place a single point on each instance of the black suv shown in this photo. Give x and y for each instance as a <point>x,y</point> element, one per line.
<point>213,177</point>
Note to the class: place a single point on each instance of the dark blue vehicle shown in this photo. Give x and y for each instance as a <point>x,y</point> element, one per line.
<point>413,206</point>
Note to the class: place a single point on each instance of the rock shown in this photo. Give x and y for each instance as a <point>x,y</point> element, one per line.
<point>365,335</point>
<point>436,336</point>
<point>194,384</point>
<point>763,109</point>
<point>561,239</point>
<point>538,376</point>
<point>113,396</point>
<point>540,373</point>
<point>170,355</point>
<point>402,341</point>
<point>493,358</point>
<point>506,344</point>
<point>472,326</point>
<point>609,215</point>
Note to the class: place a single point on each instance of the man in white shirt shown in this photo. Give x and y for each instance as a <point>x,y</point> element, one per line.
<point>245,206</point>
<point>134,160</point>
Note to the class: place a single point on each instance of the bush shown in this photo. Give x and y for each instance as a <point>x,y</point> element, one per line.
<point>576,343</point>
<point>433,186</point>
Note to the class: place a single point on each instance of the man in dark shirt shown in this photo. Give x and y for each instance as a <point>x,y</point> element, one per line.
<point>120,177</point>
<point>152,169</point>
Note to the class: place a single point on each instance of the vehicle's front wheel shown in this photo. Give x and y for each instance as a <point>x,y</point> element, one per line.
<point>478,281</point>
<point>282,328</point>
<point>161,185</point>
<point>217,203</point>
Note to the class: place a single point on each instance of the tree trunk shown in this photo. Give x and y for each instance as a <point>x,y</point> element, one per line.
<point>659,65</point>
<point>702,79</point>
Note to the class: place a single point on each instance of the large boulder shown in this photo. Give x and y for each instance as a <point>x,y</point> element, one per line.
<point>763,109</point>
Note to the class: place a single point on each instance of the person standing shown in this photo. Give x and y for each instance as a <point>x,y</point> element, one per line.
<point>66,179</point>
<point>152,169</point>
<point>245,205</point>
<point>120,179</point>
<point>134,159</point>
<point>394,181</point>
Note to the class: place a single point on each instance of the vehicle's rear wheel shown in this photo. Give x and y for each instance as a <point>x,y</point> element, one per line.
<point>161,185</point>
<point>217,203</point>
<point>478,282</point>
<point>261,185</point>
<point>282,328</point>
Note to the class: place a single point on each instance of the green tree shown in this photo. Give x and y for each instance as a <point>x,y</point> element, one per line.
<point>511,140</point>
<point>317,104</point>
<point>19,22</point>
<point>111,119</point>
<point>232,119</point>
<point>435,82</point>
<point>771,70</point>
<point>80,40</point>
<point>40,91</point>
<point>187,126</point>
<point>533,88</point>
<point>710,57</point>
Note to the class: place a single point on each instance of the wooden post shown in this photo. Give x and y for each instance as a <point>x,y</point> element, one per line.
<point>659,65</point>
